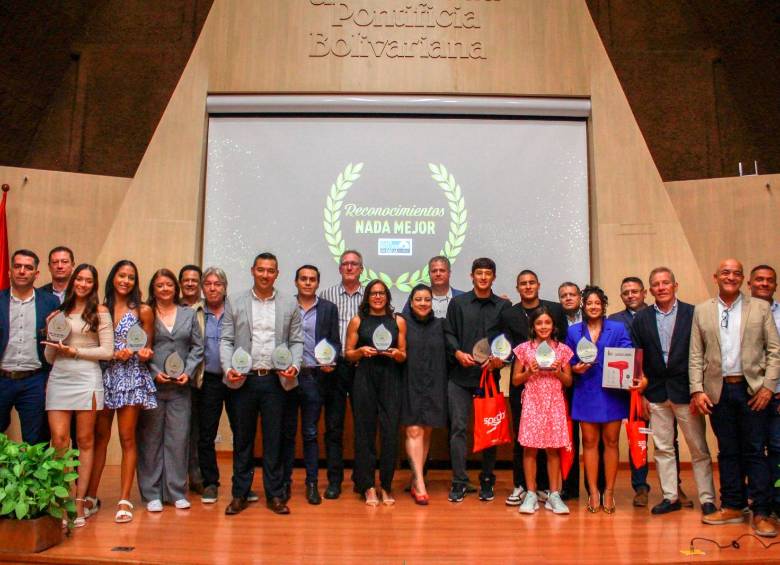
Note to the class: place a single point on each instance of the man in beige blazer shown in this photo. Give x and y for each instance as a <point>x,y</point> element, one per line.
<point>734,366</point>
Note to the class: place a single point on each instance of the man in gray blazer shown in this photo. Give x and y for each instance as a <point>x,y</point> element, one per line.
<point>259,320</point>
<point>733,369</point>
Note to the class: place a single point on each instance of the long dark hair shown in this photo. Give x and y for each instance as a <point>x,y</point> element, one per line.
<point>537,313</point>
<point>364,309</point>
<point>586,292</point>
<point>167,273</point>
<point>90,312</point>
<point>109,296</point>
<point>420,288</point>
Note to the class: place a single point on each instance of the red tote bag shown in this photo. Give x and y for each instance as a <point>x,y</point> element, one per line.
<point>567,455</point>
<point>491,426</point>
<point>637,431</point>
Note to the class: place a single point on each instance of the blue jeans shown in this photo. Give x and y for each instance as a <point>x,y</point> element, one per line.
<point>307,397</point>
<point>28,396</point>
<point>774,451</point>
<point>742,435</point>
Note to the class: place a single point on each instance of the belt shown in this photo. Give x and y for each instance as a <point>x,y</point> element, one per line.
<point>734,379</point>
<point>18,375</point>
<point>260,372</point>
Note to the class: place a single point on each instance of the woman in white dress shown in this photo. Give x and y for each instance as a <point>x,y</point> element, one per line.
<point>75,383</point>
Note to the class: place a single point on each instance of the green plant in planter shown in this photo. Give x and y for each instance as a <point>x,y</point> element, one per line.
<point>34,482</point>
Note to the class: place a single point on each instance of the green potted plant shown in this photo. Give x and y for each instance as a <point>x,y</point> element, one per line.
<point>35,499</point>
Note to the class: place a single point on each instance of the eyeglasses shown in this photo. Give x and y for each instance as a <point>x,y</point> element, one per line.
<point>351,264</point>
<point>724,318</point>
<point>377,293</point>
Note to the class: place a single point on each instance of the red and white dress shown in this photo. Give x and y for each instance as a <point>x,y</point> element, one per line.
<point>543,419</point>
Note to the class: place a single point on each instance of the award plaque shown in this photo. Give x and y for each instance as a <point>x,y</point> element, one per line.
<point>481,351</point>
<point>241,361</point>
<point>500,347</point>
<point>325,353</point>
<point>174,366</point>
<point>281,358</point>
<point>587,350</point>
<point>136,338</point>
<point>58,328</point>
<point>545,356</point>
<point>382,338</point>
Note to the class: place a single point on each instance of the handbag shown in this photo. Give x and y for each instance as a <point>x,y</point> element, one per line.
<point>567,454</point>
<point>491,426</point>
<point>637,431</point>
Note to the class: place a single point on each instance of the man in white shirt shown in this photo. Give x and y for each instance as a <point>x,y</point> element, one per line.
<point>439,271</point>
<point>571,301</point>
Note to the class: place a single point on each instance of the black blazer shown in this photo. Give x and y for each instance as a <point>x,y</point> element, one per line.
<point>327,326</point>
<point>516,322</point>
<point>45,304</point>
<point>665,381</point>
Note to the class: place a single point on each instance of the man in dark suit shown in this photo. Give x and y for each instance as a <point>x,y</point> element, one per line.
<point>663,332</point>
<point>23,367</point>
<point>61,265</point>
<point>516,319</point>
<point>320,320</point>
<point>258,320</point>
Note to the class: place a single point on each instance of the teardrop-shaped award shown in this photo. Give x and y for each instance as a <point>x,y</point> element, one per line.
<point>174,366</point>
<point>58,328</point>
<point>500,347</point>
<point>586,350</point>
<point>382,338</point>
<point>481,351</point>
<point>325,353</point>
<point>136,338</point>
<point>241,361</point>
<point>545,356</point>
<point>281,358</point>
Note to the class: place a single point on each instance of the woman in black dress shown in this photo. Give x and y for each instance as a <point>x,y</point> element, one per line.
<point>424,384</point>
<point>376,390</point>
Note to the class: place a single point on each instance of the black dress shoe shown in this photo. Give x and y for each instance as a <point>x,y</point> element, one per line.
<point>277,506</point>
<point>666,506</point>
<point>708,508</point>
<point>236,506</point>
<point>286,492</point>
<point>333,491</point>
<point>313,494</point>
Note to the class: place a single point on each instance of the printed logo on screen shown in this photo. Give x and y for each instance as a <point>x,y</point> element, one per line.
<point>395,224</point>
<point>402,247</point>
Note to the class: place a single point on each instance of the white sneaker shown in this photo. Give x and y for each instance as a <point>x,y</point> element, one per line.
<point>542,495</point>
<point>182,504</point>
<point>154,506</point>
<point>530,504</point>
<point>556,504</point>
<point>517,496</point>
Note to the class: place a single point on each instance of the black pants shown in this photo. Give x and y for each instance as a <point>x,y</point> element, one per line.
<point>213,395</point>
<point>334,389</point>
<point>461,407</point>
<point>263,395</point>
<point>375,396</point>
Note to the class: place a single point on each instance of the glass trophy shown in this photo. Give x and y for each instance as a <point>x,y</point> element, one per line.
<point>545,356</point>
<point>281,358</point>
<point>500,347</point>
<point>136,338</point>
<point>382,338</point>
<point>58,328</point>
<point>587,350</point>
<point>325,353</point>
<point>241,361</point>
<point>174,366</point>
<point>481,351</point>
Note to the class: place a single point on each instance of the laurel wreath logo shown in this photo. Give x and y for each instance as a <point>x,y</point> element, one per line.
<point>408,280</point>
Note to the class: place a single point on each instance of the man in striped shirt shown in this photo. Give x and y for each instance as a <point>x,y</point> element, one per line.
<point>347,296</point>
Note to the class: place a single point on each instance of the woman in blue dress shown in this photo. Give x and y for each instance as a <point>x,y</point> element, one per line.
<point>128,385</point>
<point>599,410</point>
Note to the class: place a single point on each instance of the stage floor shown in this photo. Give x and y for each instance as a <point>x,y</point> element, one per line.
<point>346,531</point>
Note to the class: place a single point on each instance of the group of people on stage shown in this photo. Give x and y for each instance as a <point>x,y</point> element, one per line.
<point>721,358</point>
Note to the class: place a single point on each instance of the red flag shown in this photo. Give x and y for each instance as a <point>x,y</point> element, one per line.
<point>5,264</point>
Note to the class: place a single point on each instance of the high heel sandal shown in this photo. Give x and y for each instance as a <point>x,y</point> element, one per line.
<point>80,521</point>
<point>594,509</point>
<point>371,498</point>
<point>93,509</point>
<point>609,509</point>
<point>421,499</point>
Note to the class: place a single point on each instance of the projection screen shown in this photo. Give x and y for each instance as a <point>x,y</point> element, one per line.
<point>400,189</point>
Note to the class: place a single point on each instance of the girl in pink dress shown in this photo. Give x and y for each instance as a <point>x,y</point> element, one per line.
<point>543,419</point>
